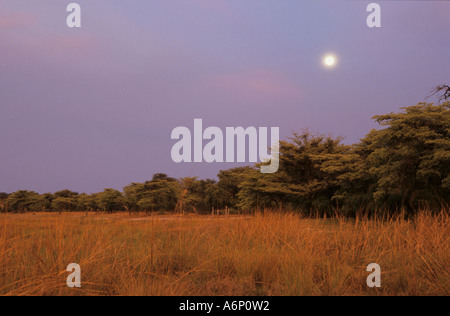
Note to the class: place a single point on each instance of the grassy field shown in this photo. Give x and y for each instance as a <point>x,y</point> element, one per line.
<point>270,254</point>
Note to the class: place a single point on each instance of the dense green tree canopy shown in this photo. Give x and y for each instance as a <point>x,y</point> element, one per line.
<point>159,194</point>
<point>403,166</point>
<point>411,157</point>
<point>110,200</point>
<point>23,201</point>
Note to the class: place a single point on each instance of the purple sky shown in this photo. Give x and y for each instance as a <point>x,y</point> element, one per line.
<point>91,108</point>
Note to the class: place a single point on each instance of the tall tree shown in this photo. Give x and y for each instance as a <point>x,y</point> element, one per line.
<point>88,202</point>
<point>133,194</point>
<point>164,192</point>
<point>23,201</point>
<point>159,194</point>
<point>65,204</point>
<point>199,196</point>
<point>110,201</point>
<point>229,186</point>
<point>411,156</point>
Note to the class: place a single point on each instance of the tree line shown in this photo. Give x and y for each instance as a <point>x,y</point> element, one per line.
<point>403,166</point>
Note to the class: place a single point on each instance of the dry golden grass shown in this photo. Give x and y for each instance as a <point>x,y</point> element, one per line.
<point>271,254</point>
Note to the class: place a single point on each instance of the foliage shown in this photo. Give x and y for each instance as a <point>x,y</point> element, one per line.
<point>23,201</point>
<point>159,194</point>
<point>404,166</point>
<point>110,200</point>
<point>411,157</point>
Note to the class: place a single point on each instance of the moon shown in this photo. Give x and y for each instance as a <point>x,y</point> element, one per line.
<point>329,60</point>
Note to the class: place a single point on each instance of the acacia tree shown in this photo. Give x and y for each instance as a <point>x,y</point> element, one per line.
<point>228,186</point>
<point>308,162</point>
<point>163,191</point>
<point>66,201</point>
<point>46,201</point>
<point>23,201</point>
<point>196,195</point>
<point>88,202</point>
<point>110,200</point>
<point>159,194</point>
<point>62,204</point>
<point>411,156</point>
<point>405,165</point>
<point>310,166</point>
<point>133,194</point>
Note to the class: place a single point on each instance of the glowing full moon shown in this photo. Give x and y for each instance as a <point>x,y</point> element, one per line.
<point>329,61</point>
